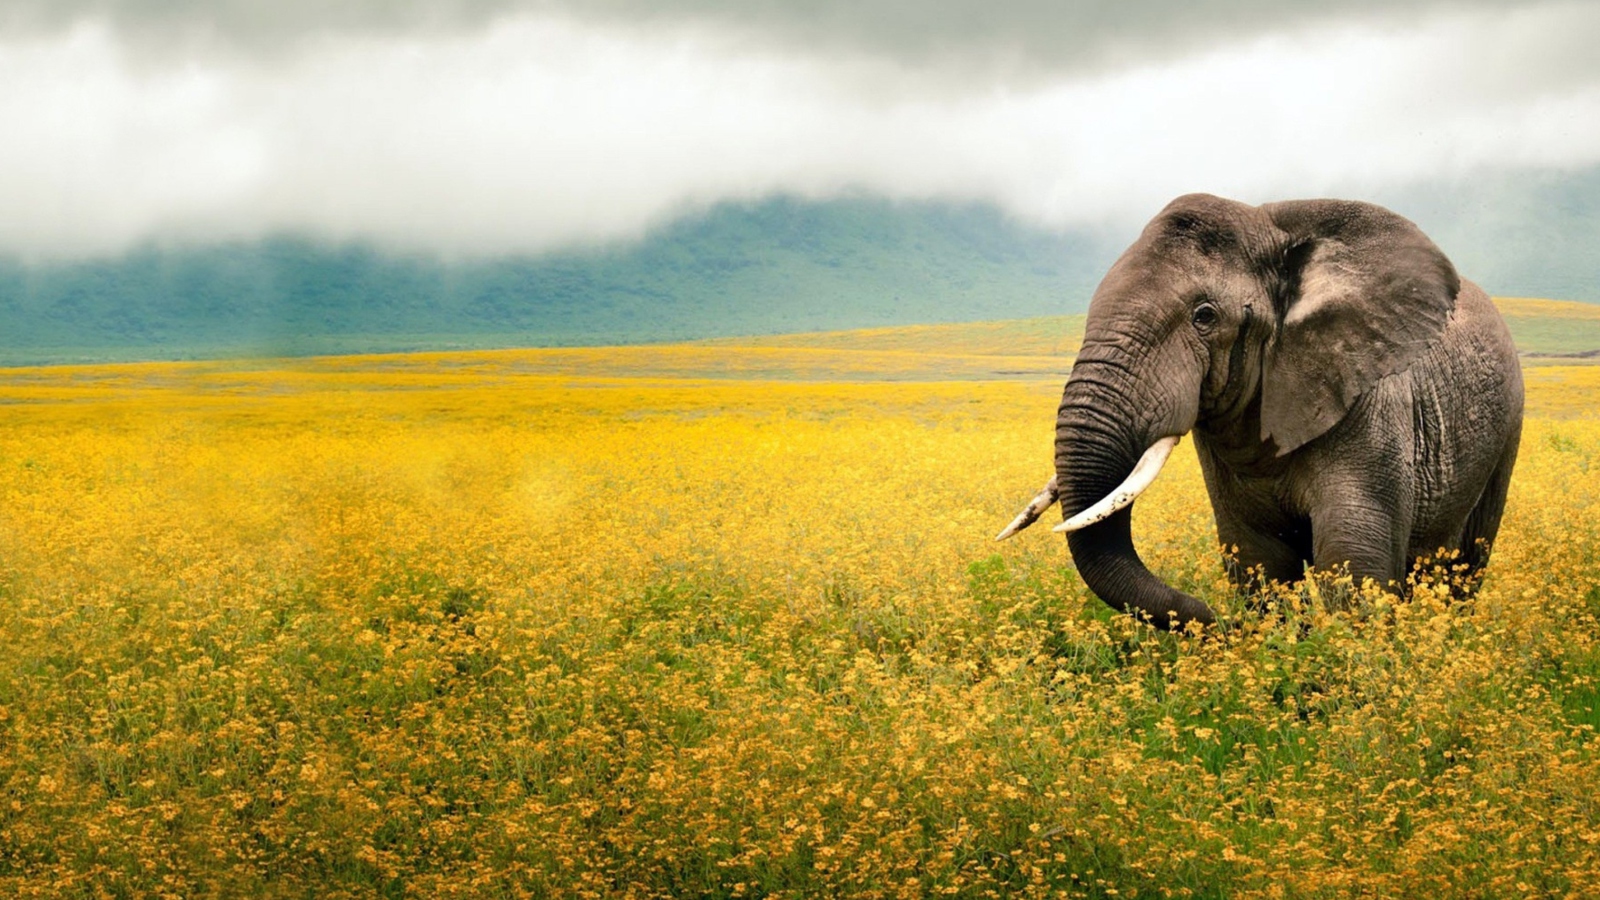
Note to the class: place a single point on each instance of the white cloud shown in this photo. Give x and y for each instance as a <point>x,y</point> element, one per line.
<point>96,156</point>
<point>534,133</point>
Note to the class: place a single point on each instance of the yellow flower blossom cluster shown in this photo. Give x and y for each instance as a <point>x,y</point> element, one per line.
<point>522,625</point>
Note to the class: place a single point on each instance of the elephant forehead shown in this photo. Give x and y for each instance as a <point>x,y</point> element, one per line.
<point>1168,285</point>
<point>1187,234</point>
<point>1218,228</point>
<point>1153,271</point>
<point>1136,307</point>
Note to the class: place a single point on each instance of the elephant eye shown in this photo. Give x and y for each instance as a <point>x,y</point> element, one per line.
<point>1205,316</point>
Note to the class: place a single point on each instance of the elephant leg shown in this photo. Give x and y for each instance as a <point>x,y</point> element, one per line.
<point>1257,555</point>
<point>1477,537</point>
<point>1365,532</point>
<point>1261,543</point>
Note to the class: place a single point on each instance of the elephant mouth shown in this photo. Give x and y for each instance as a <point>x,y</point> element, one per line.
<point>1143,475</point>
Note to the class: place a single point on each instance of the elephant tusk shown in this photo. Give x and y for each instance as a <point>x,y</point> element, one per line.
<point>1143,474</point>
<point>1046,499</point>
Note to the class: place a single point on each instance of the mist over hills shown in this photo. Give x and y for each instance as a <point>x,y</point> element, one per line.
<point>1518,234</point>
<point>774,266</point>
<point>780,265</point>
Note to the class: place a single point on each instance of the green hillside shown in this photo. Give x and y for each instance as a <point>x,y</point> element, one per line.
<point>1553,329</point>
<point>775,266</point>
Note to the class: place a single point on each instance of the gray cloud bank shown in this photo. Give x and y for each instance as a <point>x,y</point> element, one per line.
<point>1049,34</point>
<point>488,127</point>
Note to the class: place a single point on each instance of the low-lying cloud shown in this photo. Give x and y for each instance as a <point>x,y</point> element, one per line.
<point>537,131</point>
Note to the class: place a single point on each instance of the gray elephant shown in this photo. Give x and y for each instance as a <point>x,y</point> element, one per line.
<point>1352,399</point>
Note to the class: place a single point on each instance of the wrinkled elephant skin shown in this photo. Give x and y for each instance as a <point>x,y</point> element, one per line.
<point>1352,400</point>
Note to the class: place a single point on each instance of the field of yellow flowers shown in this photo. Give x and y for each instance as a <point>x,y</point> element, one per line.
<point>728,621</point>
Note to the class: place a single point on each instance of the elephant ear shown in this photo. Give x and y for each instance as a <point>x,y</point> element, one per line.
<point>1363,293</point>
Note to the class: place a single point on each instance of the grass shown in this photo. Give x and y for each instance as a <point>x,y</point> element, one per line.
<point>727,621</point>
<point>1055,336</point>
<point>1553,328</point>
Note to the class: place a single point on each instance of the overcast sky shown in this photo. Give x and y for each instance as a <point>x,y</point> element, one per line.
<point>469,127</point>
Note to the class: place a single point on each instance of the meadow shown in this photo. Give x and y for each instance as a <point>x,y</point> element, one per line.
<point>727,620</point>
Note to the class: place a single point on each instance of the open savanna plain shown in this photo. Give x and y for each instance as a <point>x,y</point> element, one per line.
<point>726,620</point>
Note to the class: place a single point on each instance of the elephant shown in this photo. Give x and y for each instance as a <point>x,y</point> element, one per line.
<point>1353,401</point>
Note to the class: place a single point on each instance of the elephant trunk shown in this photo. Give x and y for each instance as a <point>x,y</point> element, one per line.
<point>1095,453</point>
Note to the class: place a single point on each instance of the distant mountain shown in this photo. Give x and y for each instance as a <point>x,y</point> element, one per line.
<point>780,265</point>
<point>1519,234</point>
<point>776,266</point>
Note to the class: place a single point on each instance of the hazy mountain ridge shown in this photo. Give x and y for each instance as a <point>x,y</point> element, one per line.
<point>776,266</point>
<point>771,267</point>
<point>1518,234</point>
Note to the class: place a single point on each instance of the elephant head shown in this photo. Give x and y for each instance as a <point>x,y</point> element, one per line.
<point>1257,328</point>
